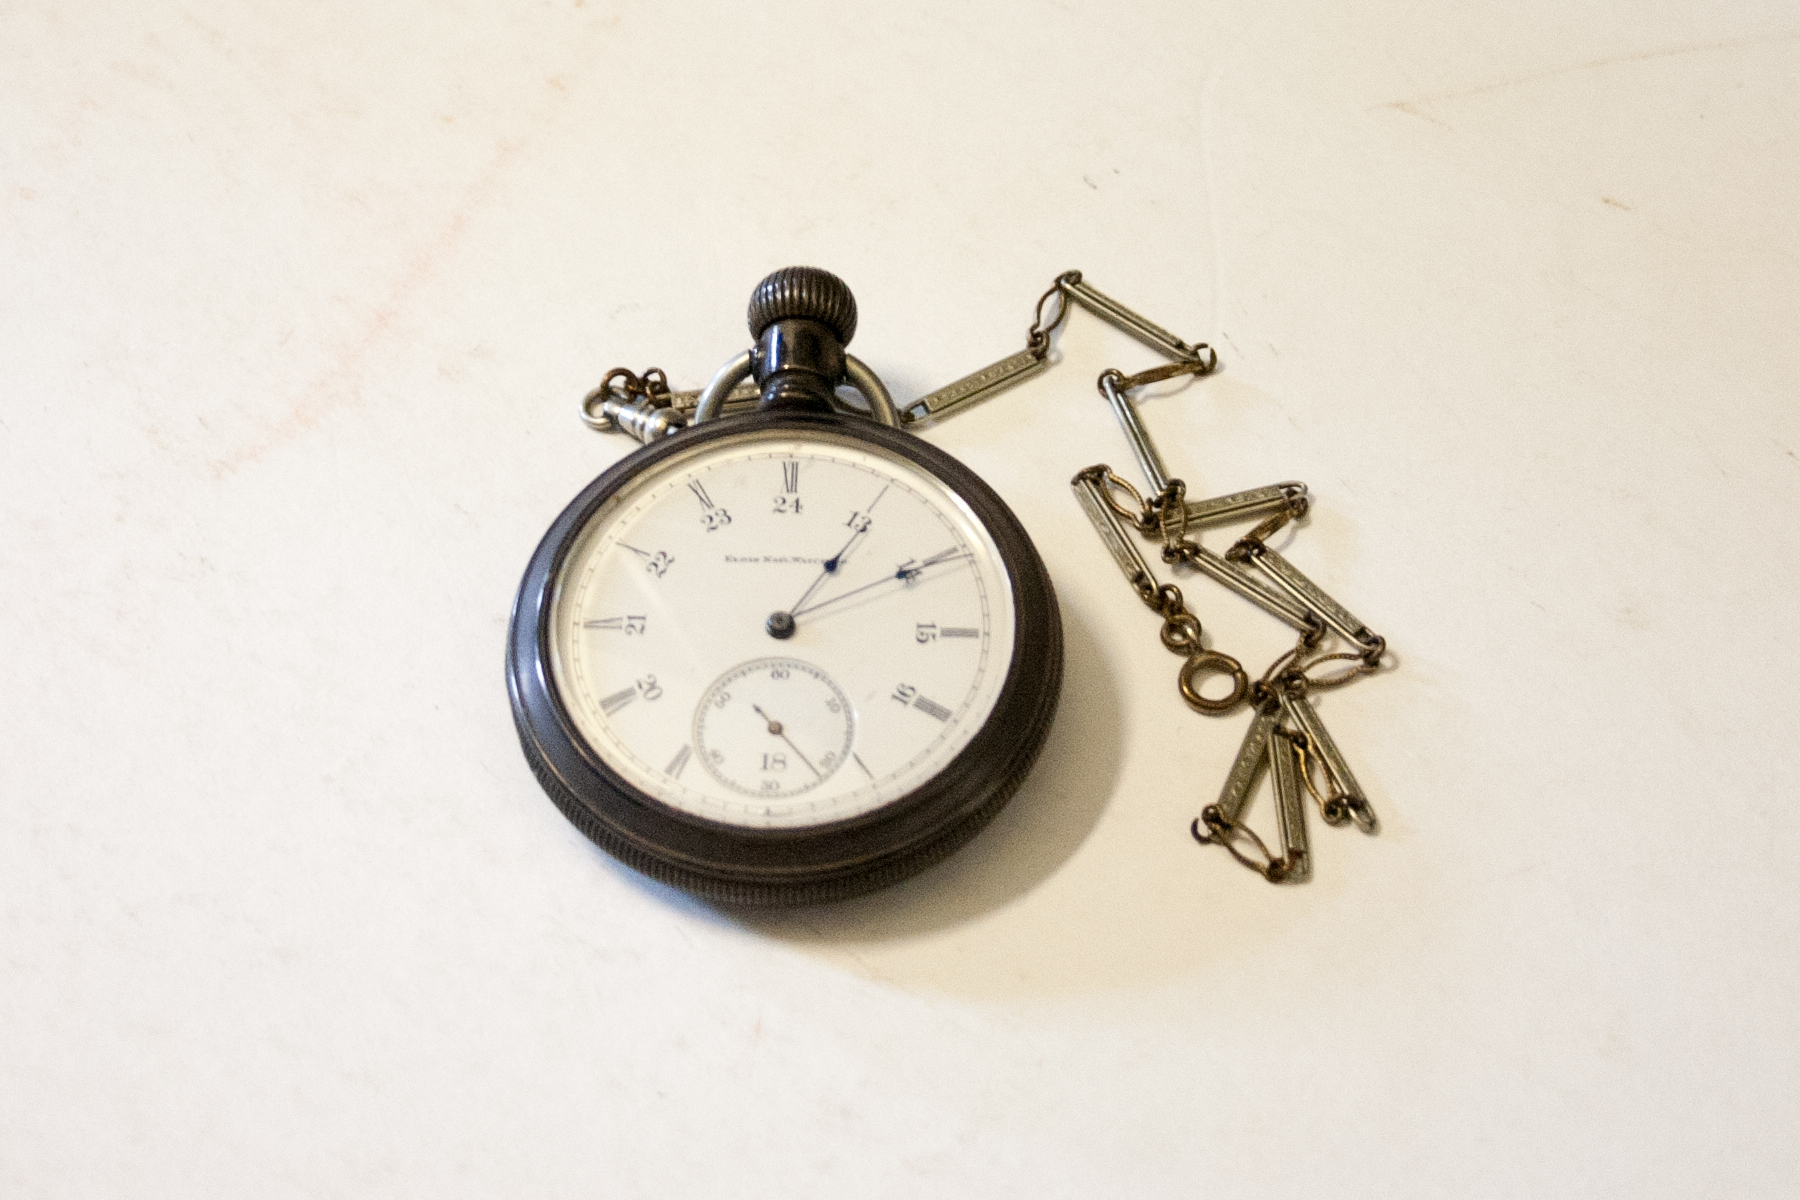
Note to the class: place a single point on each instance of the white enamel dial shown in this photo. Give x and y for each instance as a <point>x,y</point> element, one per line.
<point>781,630</point>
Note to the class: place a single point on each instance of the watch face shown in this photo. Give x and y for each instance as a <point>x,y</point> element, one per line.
<point>780,630</point>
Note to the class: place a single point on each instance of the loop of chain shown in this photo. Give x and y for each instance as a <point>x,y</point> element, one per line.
<point>1168,510</point>
<point>1169,603</point>
<point>1339,808</point>
<point>1220,832</point>
<point>652,385</point>
<point>1181,633</point>
<point>651,390</point>
<point>1333,808</point>
<point>1037,338</point>
<point>624,386</point>
<point>1192,366</point>
<point>1137,513</point>
<point>1211,662</point>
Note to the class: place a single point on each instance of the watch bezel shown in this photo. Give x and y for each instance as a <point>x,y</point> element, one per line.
<point>757,865</point>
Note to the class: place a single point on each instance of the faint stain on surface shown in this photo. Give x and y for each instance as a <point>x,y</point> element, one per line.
<point>338,386</point>
<point>1416,106</point>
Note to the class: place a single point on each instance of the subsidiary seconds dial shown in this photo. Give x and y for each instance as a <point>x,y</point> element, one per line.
<point>744,746</point>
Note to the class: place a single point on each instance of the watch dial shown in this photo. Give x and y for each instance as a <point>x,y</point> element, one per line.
<point>781,631</point>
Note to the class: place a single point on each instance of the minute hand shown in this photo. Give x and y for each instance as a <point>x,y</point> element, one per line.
<point>905,572</point>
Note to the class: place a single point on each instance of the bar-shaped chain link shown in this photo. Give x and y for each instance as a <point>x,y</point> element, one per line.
<point>1247,768</point>
<point>1290,810</point>
<point>1090,493</point>
<point>1142,448</point>
<point>972,389</point>
<point>1246,506</point>
<point>1249,587</point>
<point>1122,318</point>
<point>1297,585</point>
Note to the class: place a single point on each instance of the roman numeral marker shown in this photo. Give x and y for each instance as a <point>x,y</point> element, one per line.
<point>673,770</point>
<point>700,494</point>
<point>865,769</point>
<point>619,699</point>
<point>932,708</point>
<point>958,631</point>
<point>790,477</point>
<point>630,624</point>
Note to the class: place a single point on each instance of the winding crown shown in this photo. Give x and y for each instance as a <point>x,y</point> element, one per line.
<point>803,292</point>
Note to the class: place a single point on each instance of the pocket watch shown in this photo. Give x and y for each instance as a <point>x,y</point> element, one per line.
<point>787,655</point>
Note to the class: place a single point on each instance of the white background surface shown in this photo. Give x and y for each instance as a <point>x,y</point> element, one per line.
<point>297,306</point>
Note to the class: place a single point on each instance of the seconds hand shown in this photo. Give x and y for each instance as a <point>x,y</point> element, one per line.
<point>776,728</point>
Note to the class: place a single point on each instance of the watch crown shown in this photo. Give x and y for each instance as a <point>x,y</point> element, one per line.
<point>803,292</point>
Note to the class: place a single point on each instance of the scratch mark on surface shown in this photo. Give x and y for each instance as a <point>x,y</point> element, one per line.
<point>1411,108</point>
<point>1620,204</point>
<point>338,387</point>
<point>1416,105</point>
<point>1786,451</point>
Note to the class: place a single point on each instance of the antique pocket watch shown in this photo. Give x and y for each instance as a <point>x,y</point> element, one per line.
<point>788,655</point>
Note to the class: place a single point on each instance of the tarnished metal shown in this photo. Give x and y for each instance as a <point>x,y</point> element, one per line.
<point>727,391</point>
<point>1297,585</point>
<point>1181,632</point>
<point>730,392</point>
<point>972,389</point>
<point>1290,810</point>
<point>711,401</point>
<point>1343,783</point>
<point>1142,448</point>
<point>1122,318</point>
<point>1249,587</point>
<point>641,417</point>
<point>1091,494</point>
<point>742,398</point>
<point>1210,662</point>
<point>1247,768</point>
<point>648,424</point>
<point>1286,737</point>
<point>864,380</point>
<point>1246,506</point>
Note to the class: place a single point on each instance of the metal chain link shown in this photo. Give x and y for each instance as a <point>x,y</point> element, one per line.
<point>645,407</point>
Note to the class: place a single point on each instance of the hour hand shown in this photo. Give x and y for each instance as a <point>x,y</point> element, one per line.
<point>781,623</point>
